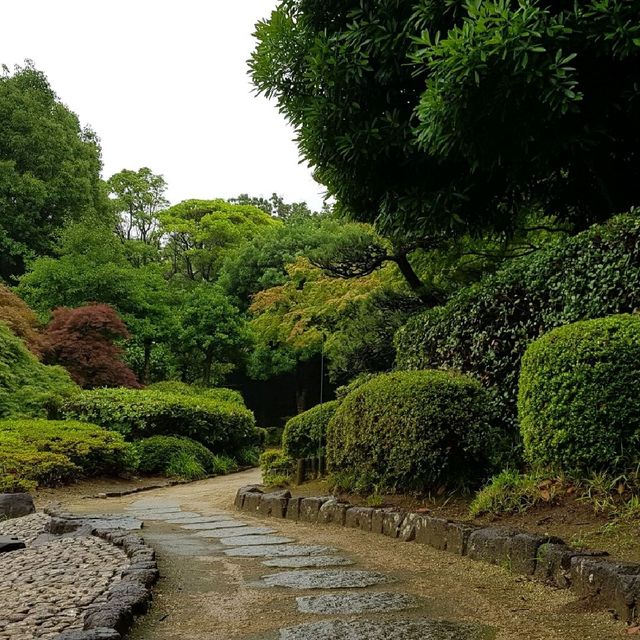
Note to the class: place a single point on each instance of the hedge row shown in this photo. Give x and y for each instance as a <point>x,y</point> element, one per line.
<point>485,329</point>
<point>212,393</point>
<point>223,427</point>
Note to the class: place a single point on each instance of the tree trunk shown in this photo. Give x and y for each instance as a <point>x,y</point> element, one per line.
<point>428,296</point>
<point>147,362</point>
<point>206,371</point>
<point>301,388</point>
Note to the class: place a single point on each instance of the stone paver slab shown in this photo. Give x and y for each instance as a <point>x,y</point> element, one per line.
<point>302,562</point>
<point>327,579</point>
<point>390,630</point>
<point>277,551</point>
<point>254,541</point>
<point>341,603</point>
<point>219,524</point>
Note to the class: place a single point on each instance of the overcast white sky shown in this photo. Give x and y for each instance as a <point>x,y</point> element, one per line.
<point>165,85</point>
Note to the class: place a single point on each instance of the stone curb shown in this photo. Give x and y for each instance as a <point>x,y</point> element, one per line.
<point>589,574</point>
<point>125,599</point>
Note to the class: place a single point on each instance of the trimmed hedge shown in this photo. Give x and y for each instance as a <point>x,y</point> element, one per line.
<point>305,434</point>
<point>181,457</point>
<point>579,400</point>
<point>485,329</point>
<point>51,452</point>
<point>27,387</point>
<point>415,430</point>
<point>223,427</point>
<point>213,393</point>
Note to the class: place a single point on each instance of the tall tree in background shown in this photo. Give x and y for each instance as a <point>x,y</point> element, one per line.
<point>138,197</point>
<point>49,168</point>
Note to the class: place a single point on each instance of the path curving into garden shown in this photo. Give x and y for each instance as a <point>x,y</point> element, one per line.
<point>226,575</point>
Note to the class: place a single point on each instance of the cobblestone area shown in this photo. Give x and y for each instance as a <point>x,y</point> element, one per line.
<point>45,589</point>
<point>27,528</point>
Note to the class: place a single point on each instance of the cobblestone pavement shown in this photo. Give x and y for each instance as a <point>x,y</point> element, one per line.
<point>46,588</point>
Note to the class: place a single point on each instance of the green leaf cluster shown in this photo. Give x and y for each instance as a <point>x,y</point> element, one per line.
<point>222,427</point>
<point>579,397</point>
<point>415,430</point>
<point>182,388</point>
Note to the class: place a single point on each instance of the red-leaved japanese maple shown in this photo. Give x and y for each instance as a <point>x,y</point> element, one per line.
<point>83,341</point>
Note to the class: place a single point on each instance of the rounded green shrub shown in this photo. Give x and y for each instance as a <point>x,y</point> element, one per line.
<point>304,435</point>
<point>413,430</point>
<point>223,427</point>
<point>156,453</point>
<point>579,396</point>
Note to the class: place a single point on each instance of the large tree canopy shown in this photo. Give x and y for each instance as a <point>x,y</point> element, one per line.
<point>49,168</point>
<point>424,115</point>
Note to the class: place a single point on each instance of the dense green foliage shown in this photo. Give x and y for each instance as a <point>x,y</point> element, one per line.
<point>485,328</point>
<point>223,427</point>
<point>49,168</point>
<point>426,116</point>
<point>182,457</point>
<point>51,452</point>
<point>27,387</point>
<point>413,431</point>
<point>277,467</point>
<point>579,398</point>
<point>305,435</point>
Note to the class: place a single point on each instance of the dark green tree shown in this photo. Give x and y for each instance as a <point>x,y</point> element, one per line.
<point>49,168</point>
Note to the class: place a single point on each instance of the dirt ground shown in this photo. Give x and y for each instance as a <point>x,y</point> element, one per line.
<point>207,595</point>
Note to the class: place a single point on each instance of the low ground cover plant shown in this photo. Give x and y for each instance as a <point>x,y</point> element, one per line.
<point>414,430</point>
<point>51,452</point>
<point>305,435</point>
<point>277,467</point>
<point>222,427</point>
<point>579,398</point>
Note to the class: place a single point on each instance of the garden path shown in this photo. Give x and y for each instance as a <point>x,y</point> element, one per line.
<point>228,576</point>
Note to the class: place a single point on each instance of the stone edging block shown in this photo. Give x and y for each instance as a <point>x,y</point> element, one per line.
<point>612,585</point>
<point>125,599</point>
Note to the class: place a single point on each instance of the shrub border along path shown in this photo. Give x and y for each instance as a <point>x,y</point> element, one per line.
<point>589,574</point>
<point>127,598</point>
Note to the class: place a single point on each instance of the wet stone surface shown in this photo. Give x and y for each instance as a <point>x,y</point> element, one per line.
<point>391,630</point>
<point>301,562</point>
<point>329,579</point>
<point>277,551</point>
<point>27,528</point>
<point>254,541</point>
<point>222,524</point>
<point>351,603</point>
<point>186,517</point>
<point>238,531</point>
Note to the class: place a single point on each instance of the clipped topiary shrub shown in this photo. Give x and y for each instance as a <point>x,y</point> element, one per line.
<point>276,467</point>
<point>579,399</point>
<point>163,454</point>
<point>223,427</point>
<point>413,430</point>
<point>213,393</point>
<point>485,329</point>
<point>51,452</point>
<point>27,387</point>
<point>305,435</point>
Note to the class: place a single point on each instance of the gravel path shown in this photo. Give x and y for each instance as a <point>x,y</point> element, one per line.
<point>46,588</point>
